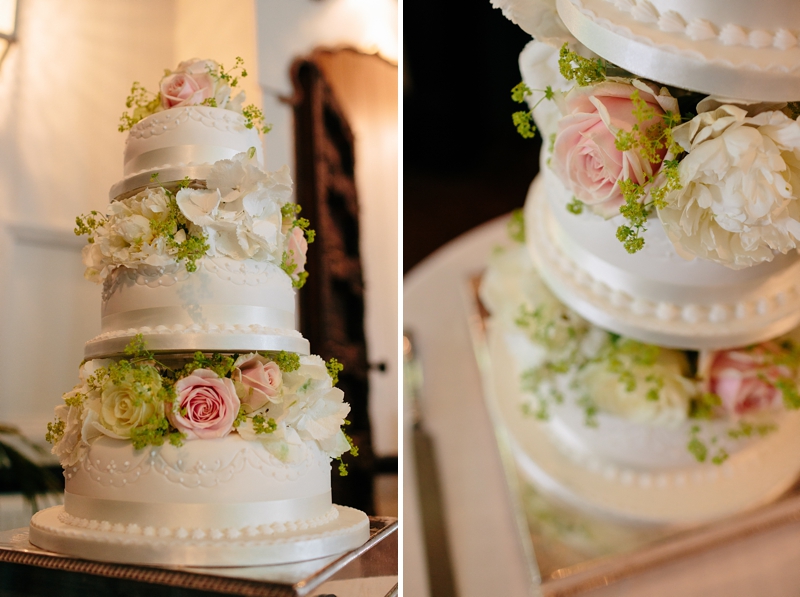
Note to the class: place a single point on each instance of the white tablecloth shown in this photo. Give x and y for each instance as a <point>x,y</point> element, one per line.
<point>486,557</point>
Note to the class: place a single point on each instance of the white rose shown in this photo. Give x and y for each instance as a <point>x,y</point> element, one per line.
<point>152,204</point>
<point>71,448</point>
<point>741,177</point>
<point>612,396</point>
<point>134,228</point>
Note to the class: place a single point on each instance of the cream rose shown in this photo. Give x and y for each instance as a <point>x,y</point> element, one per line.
<point>738,205</point>
<point>612,396</point>
<point>122,408</point>
<point>206,405</point>
<point>585,156</point>
<point>258,381</point>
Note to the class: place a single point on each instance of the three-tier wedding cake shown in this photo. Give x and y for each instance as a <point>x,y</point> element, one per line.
<point>647,320</point>
<point>202,429</point>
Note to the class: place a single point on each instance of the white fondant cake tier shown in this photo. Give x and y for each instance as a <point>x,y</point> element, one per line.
<point>225,305</point>
<point>643,447</point>
<point>217,502</point>
<point>209,484</point>
<point>736,48</point>
<point>654,295</point>
<point>183,142</point>
<point>756,475</point>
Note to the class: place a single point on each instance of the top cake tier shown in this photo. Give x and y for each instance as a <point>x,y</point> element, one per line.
<point>732,48</point>
<point>180,142</point>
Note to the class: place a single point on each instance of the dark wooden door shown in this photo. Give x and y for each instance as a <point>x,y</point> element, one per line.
<point>332,301</point>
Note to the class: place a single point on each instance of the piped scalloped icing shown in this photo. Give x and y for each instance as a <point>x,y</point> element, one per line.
<point>697,28</point>
<point>200,533</point>
<point>162,122</point>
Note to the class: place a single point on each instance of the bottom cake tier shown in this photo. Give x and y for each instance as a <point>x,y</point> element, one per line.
<point>220,502</point>
<point>630,431</point>
<point>201,459</point>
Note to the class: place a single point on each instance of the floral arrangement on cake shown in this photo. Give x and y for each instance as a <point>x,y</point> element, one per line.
<point>195,82</point>
<point>244,213</point>
<point>571,359</point>
<point>280,399</point>
<point>721,174</point>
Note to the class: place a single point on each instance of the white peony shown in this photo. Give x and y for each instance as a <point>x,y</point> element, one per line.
<point>537,17</point>
<point>741,181</point>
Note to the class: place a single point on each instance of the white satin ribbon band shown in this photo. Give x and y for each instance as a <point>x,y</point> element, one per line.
<point>180,154</point>
<point>199,315</point>
<point>192,516</point>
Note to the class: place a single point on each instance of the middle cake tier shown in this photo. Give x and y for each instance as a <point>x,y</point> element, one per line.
<point>225,305</point>
<point>654,296</point>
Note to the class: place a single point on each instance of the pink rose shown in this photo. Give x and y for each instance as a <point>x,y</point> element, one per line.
<point>585,156</point>
<point>745,379</point>
<point>206,405</point>
<point>297,245</point>
<point>189,85</point>
<point>260,379</point>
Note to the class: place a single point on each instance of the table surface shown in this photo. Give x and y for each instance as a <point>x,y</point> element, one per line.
<point>485,548</point>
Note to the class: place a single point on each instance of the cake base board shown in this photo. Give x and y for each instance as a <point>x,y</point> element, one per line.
<point>687,497</point>
<point>348,531</point>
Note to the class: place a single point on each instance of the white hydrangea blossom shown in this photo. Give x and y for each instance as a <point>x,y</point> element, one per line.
<point>310,409</point>
<point>239,214</point>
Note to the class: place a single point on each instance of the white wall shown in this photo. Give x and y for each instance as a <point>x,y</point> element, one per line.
<point>62,90</point>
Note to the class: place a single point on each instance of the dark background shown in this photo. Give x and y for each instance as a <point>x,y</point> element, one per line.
<point>463,161</point>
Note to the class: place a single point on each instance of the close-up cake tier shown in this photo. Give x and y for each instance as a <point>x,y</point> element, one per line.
<point>180,142</point>
<point>742,49</point>
<point>615,427</point>
<point>232,481</point>
<point>226,305</point>
<point>655,295</point>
